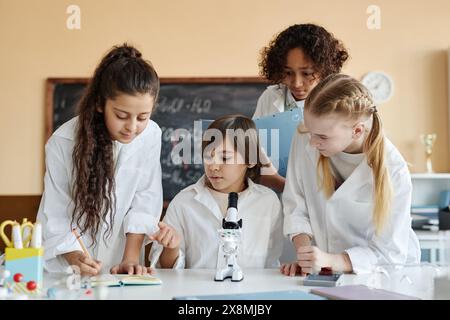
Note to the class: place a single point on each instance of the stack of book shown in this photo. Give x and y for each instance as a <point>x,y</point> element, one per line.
<point>425,217</point>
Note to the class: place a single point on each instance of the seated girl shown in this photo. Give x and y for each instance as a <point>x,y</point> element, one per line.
<point>188,235</point>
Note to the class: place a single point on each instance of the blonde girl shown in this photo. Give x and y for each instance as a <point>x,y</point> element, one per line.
<point>348,189</point>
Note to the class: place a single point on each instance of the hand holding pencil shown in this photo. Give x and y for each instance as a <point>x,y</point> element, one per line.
<point>82,259</point>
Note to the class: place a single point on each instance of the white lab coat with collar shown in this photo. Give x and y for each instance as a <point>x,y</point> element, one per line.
<point>138,197</point>
<point>196,216</point>
<point>344,222</point>
<point>272,100</point>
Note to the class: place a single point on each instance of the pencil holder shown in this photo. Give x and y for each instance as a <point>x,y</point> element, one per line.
<point>27,261</point>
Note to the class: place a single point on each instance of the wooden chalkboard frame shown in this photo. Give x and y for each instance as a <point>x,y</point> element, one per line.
<point>52,82</point>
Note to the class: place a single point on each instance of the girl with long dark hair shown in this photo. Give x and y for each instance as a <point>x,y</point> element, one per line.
<point>103,175</point>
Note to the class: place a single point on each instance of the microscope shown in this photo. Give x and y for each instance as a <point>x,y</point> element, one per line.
<point>230,237</point>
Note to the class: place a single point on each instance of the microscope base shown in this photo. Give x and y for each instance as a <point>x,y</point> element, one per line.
<point>236,275</point>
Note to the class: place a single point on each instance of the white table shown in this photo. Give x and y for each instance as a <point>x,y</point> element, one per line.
<point>201,282</point>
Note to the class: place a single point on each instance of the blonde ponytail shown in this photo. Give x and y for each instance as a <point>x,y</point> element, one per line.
<point>346,96</point>
<point>374,148</point>
<point>325,175</point>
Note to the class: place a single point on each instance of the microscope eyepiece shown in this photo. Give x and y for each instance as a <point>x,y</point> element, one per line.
<point>232,200</point>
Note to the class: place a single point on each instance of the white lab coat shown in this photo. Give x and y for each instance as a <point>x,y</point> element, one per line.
<point>196,216</point>
<point>344,222</point>
<point>138,193</point>
<point>273,100</point>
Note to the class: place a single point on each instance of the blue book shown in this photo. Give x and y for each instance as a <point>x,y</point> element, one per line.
<point>270,295</point>
<point>427,210</point>
<point>275,133</point>
<point>444,199</point>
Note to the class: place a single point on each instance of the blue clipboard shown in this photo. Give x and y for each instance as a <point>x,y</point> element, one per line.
<point>280,128</point>
<point>275,132</point>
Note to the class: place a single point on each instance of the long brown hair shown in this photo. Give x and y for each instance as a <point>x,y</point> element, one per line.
<point>341,94</point>
<point>121,71</point>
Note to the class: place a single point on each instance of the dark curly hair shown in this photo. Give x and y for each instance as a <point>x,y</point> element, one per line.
<point>121,71</point>
<point>326,52</point>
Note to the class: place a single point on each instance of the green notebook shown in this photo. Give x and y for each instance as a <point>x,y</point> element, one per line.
<point>119,280</point>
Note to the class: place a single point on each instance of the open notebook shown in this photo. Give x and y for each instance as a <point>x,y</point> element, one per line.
<point>119,280</point>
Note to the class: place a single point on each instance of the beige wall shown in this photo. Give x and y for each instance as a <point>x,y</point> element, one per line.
<point>215,38</point>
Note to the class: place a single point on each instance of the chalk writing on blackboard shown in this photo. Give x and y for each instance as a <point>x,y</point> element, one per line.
<point>181,101</point>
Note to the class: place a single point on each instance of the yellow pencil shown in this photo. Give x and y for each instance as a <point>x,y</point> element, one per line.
<point>74,231</point>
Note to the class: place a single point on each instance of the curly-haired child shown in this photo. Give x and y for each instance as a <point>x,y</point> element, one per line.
<point>294,62</point>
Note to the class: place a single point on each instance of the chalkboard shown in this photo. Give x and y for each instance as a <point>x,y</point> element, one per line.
<point>181,101</point>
